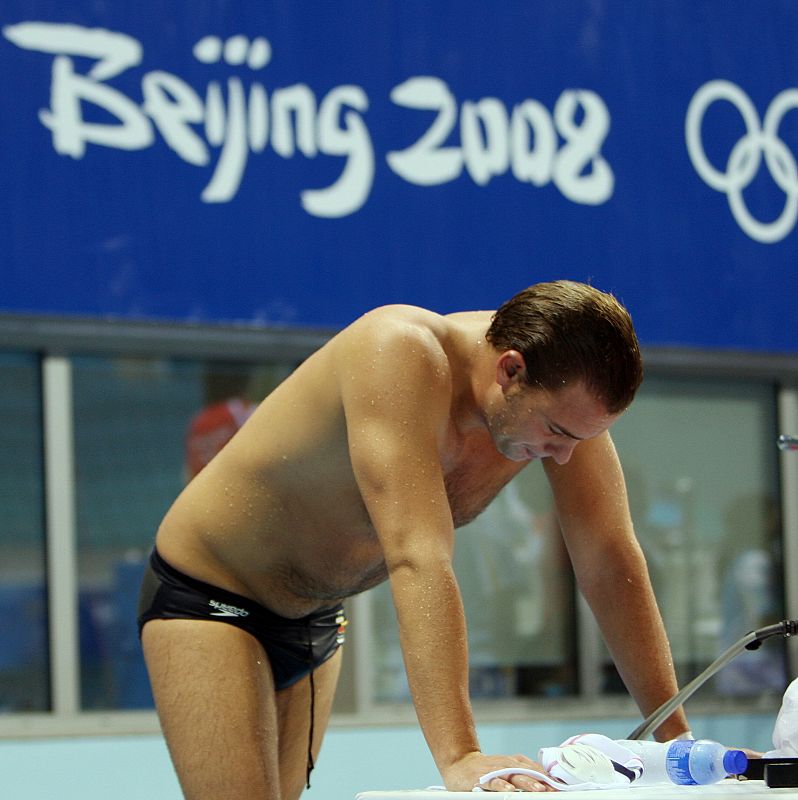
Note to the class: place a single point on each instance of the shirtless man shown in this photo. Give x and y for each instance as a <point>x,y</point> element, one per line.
<point>358,468</point>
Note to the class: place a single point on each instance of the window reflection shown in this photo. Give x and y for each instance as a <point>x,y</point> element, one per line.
<point>517,590</point>
<point>141,428</point>
<point>24,667</point>
<point>701,471</point>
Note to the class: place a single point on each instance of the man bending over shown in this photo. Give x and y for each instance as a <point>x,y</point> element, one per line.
<point>359,468</point>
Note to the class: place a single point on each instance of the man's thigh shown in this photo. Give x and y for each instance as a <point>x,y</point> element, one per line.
<point>294,710</point>
<point>228,734</point>
<point>215,697</point>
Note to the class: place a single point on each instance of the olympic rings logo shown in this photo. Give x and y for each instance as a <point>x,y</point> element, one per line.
<point>746,156</point>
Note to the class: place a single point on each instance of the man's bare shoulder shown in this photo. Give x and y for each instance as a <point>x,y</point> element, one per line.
<point>400,355</point>
<point>398,328</point>
<point>399,315</point>
<point>418,346</point>
<point>406,322</point>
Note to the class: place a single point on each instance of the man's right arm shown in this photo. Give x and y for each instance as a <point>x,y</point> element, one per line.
<point>397,408</point>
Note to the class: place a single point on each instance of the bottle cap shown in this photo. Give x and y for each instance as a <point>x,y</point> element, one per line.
<point>735,762</point>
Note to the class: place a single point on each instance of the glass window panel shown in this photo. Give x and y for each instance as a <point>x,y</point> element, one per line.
<point>142,428</point>
<point>517,590</point>
<point>701,467</point>
<point>24,659</point>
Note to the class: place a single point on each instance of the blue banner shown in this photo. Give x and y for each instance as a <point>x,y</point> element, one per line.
<point>300,162</point>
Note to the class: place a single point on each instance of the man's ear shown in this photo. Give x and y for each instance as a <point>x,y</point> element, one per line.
<point>510,369</point>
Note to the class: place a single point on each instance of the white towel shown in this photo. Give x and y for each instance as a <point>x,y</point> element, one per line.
<point>785,733</point>
<point>585,761</point>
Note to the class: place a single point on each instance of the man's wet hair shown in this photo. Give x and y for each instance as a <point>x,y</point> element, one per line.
<point>567,332</point>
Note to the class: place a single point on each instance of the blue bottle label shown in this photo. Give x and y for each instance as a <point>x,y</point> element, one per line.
<point>677,763</point>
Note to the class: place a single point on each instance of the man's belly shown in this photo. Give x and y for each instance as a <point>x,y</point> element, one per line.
<point>286,568</point>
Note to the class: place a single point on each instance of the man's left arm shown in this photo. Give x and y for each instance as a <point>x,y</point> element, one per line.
<point>593,511</point>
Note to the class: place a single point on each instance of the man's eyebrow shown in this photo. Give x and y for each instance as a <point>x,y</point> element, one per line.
<point>564,432</point>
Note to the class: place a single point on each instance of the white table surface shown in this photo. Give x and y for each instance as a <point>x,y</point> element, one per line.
<point>745,790</point>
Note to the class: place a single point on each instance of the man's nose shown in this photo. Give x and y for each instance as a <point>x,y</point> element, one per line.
<point>561,452</point>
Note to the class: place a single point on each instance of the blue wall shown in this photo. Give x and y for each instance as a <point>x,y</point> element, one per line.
<point>356,760</point>
<point>444,154</point>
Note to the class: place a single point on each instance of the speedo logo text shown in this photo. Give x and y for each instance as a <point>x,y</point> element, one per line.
<point>225,610</point>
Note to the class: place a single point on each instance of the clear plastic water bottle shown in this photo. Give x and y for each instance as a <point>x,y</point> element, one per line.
<point>686,762</point>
